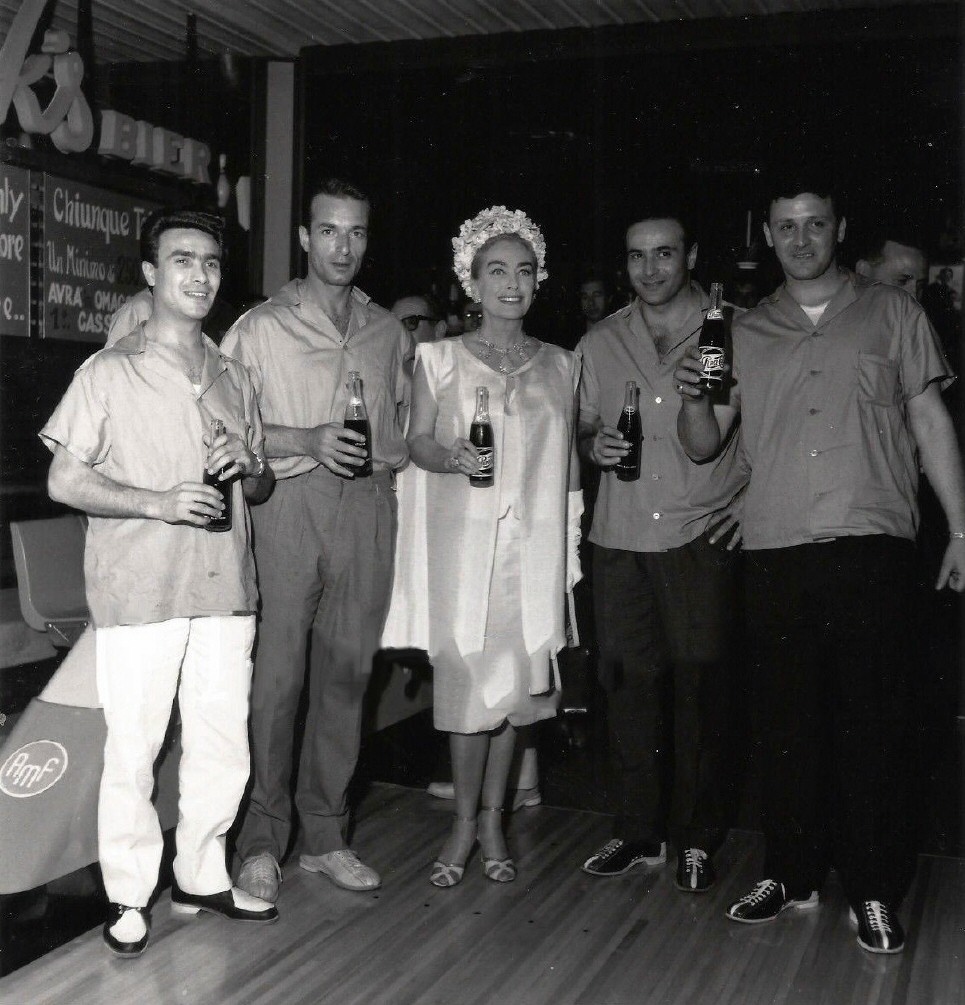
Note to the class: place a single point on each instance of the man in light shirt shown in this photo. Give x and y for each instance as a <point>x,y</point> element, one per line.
<point>323,541</point>
<point>173,605</point>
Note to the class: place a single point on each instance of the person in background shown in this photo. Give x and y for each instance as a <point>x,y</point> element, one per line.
<point>323,540</point>
<point>481,572</point>
<point>940,302</point>
<point>472,316</point>
<point>838,388</point>
<point>131,313</point>
<point>139,308</point>
<point>664,571</point>
<point>595,298</point>
<point>889,256</point>
<point>172,605</point>
<point>421,318</point>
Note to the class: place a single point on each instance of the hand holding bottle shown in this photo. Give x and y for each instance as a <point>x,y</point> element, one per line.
<point>335,447</point>
<point>463,458</point>
<point>229,456</point>
<point>608,447</point>
<point>688,374</point>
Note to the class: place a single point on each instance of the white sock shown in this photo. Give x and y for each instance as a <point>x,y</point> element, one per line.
<point>130,927</point>
<point>246,902</point>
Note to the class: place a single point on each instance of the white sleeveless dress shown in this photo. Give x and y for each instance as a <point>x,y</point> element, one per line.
<point>480,573</point>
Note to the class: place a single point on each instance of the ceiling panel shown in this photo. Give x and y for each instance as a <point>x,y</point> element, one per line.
<point>140,30</point>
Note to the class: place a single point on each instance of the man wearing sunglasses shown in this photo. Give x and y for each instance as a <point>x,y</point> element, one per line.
<point>420,318</point>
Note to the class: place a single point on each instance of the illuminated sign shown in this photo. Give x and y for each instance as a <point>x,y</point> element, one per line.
<point>67,119</point>
<point>14,252</point>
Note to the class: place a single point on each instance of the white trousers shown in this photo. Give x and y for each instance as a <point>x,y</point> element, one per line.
<point>138,672</point>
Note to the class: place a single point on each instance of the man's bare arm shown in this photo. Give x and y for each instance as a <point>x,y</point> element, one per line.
<point>331,444</point>
<point>77,484</point>
<point>934,432</point>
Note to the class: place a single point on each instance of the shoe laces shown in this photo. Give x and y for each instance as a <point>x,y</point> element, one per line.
<point>264,869</point>
<point>760,893</point>
<point>350,860</point>
<point>694,858</point>
<point>878,916</point>
<point>609,849</point>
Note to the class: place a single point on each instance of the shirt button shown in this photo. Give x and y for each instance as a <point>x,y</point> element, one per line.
<point>656,516</point>
<point>656,478</point>
<point>814,453</point>
<point>658,400</point>
<point>813,411</point>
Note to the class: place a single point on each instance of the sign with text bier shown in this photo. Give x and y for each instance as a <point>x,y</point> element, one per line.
<point>14,251</point>
<point>91,257</point>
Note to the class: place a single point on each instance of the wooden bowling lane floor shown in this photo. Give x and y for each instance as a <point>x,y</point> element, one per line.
<point>555,936</point>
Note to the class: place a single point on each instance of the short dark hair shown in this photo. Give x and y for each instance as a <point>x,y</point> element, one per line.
<point>790,183</point>
<point>669,210</point>
<point>178,218</point>
<point>433,310</point>
<point>594,274</point>
<point>871,241</point>
<point>432,307</point>
<point>334,188</point>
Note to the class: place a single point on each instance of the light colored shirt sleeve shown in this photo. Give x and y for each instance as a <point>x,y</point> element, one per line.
<point>81,421</point>
<point>589,385</point>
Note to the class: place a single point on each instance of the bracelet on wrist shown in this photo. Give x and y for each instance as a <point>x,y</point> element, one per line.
<point>260,467</point>
<point>957,533</point>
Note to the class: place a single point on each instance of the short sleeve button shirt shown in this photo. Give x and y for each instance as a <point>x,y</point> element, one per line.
<point>132,414</point>
<point>299,363</point>
<point>823,415</point>
<point>674,500</point>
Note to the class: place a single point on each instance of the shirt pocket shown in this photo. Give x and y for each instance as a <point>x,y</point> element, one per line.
<point>878,381</point>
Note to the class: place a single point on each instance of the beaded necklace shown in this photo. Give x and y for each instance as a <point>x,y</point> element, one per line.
<point>493,352</point>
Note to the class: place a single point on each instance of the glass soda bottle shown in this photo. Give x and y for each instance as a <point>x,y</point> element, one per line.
<point>357,419</point>
<point>712,342</point>
<point>481,437</point>
<point>628,467</point>
<point>222,522</point>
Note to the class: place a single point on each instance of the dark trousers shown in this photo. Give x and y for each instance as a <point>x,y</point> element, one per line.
<point>323,547</point>
<point>664,623</point>
<point>828,625</point>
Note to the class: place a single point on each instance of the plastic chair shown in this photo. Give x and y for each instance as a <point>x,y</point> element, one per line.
<point>49,557</point>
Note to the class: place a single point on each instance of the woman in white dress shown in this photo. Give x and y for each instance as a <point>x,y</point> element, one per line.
<point>481,573</point>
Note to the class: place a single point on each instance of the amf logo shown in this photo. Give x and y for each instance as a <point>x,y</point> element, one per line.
<point>33,768</point>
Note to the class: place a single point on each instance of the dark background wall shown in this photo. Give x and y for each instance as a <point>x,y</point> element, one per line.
<point>579,127</point>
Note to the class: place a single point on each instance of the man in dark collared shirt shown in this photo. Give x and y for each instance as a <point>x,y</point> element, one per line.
<point>323,541</point>
<point>663,593</point>
<point>837,384</point>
